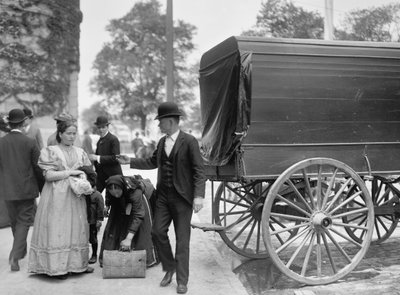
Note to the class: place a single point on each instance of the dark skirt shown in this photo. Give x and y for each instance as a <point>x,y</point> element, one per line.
<point>117,229</point>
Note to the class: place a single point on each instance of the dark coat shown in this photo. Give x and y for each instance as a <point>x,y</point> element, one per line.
<point>107,148</point>
<point>95,207</point>
<point>188,173</point>
<point>20,175</point>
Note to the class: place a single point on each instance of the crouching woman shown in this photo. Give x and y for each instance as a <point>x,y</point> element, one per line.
<point>129,220</point>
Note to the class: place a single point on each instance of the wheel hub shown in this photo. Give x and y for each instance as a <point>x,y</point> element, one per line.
<point>321,221</point>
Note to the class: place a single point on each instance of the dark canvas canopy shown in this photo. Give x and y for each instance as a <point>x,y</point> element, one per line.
<point>225,80</point>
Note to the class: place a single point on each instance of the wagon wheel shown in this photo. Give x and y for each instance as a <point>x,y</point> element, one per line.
<point>321,252</point>
<point>238,207</point>
<point>383,195</point>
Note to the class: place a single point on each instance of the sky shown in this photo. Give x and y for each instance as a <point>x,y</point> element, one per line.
<point>216,20</point>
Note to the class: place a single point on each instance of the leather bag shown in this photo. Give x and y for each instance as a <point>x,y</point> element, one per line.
<point>119,264</point>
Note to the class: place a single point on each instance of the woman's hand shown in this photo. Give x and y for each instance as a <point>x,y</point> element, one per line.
<point>125,245</point>
<point>75,172</point>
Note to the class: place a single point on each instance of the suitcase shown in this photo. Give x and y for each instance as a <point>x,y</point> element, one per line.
<point>118,264</point>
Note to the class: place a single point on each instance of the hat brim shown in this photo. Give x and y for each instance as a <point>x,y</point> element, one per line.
<point>17,121</point>
<point>168,115</point>
<point>101,124</point>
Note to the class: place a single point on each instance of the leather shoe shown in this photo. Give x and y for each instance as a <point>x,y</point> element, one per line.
<point>167,278</point>
<point>181,289</point>
<point>93,259</point>
<point>14,264</point>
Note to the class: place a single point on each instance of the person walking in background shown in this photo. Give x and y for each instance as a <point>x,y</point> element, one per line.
<point>137,145</point>
<point>130,218</point>
<point>87,142</point>
<point>95,210</point>
<point>20,178</point>
<point>180,191</point>
<point>104,159</point>
<point>60,238</point>
<point>31,129</point>
<point>62,117</point>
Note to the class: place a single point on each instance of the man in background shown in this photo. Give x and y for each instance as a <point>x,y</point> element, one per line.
<point>31,129</point>
<point>105,160</point>
<point>19,182</point>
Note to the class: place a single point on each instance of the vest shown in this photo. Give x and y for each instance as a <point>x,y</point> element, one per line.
<point>167,169</point>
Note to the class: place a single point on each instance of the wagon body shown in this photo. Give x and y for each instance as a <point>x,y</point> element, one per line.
<point>269,103</point>
<point>303,138</point>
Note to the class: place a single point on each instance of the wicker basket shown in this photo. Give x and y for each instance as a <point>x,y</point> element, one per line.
<point>117,264</point>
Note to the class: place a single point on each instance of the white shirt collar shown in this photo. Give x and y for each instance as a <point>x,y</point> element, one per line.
<point>174,136</point>
<point>16,130</point>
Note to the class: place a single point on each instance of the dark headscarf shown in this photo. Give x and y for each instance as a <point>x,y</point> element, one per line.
<point>116,179</point>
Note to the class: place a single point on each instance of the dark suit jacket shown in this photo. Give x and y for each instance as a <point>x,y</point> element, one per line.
<point>107,148</point>
<point>188,167</point>
<point>20,174</point>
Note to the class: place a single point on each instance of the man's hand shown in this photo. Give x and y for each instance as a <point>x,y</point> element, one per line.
<point>197,204</point>
<point>92,157</point>
<point>106,210</point>
<point>123,159</point>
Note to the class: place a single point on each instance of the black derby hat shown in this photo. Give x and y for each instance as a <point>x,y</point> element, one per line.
<point>16,116</point>
<point>168,109</point>
<point>101,121</point>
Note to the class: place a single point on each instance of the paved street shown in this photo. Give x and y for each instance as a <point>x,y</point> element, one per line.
<point>215,270</point>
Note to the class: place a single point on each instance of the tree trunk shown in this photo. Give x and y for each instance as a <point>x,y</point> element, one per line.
<point>143,121</point>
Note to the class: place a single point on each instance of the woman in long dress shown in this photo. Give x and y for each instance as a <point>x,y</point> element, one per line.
<point>60,238</point>
<point>130,219</point>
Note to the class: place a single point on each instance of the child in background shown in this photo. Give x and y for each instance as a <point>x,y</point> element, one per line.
<point>95,210</point>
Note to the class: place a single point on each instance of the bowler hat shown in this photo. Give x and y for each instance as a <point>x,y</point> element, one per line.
<point>101,121</point>
<point>168,109</point>
<point>16,116</point>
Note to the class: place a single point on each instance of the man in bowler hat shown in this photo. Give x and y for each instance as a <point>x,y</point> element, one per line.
<point>180,191</point>
<point>105,160</point>
<point>19,182</point>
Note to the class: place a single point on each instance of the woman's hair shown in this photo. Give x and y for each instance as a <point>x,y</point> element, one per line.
<point>62,126</point>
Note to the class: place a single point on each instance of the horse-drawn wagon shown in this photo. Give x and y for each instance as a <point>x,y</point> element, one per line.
<point>302,138</point>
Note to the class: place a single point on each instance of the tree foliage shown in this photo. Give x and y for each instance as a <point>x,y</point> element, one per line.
<point>380,24</point>
<point>130,69</point>
<point>283,19</point>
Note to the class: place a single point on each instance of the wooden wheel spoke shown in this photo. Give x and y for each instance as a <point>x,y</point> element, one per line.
<point>346,238</point>
<point>328,252</point>
<point>292,205</point>
<point>356,217</point>
<point>291,240</point>
<point>277,236</point>
<point>378,233</point>
<point>346,202</point>
<point>243,228</point>
<point>290,217</point>
<point>382,198</point>
<point>350,225</point>
<point>239,220</point>
<point>329,189</point>
<point>259,235</point>
<point>319,190</point>
<point>388,217</point>
<point>308,254</point>
<point>319,256</point>
<point>296,191</point>
<point>338,194</point>
<point>308,188</point>
<point>249,235</point>
<point>280,224</point>
<point>338,247</point>
<point>236,203</point>
<point>293,257</point>
<point>349,213</point>
<point>289,228</point>
<point>240,194</point>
